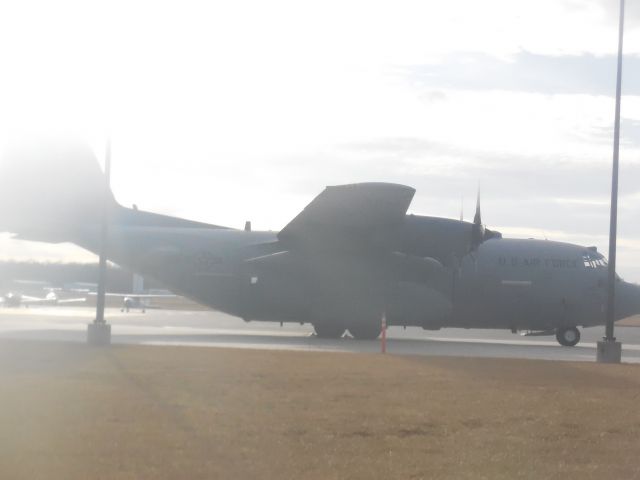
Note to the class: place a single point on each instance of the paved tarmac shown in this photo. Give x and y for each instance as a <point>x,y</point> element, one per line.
<point>214,329</point>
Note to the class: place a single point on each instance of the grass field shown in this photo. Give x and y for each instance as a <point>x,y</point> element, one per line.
<point>630,322</point>
<point>72,412</point>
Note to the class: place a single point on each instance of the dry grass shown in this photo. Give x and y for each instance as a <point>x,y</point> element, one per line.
<point>629,322</point>
<point>71,412</point>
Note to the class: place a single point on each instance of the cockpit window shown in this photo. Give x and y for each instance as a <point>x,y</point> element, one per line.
<point>594,260</point>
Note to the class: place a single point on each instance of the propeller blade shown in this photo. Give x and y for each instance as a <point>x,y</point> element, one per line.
<point>477,219</point>
<point>478,230</point>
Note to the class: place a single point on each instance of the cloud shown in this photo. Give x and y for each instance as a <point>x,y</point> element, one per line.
<point>528,174</point>
<point>530,72</point>
<point>611,10</point>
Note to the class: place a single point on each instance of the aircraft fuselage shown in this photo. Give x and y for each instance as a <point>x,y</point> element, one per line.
<point>506,283</point>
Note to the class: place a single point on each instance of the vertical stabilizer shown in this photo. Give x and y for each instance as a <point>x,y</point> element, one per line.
<point>47,189</point>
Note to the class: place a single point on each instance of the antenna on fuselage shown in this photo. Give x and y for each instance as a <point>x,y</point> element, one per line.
<point>462,209</point>
<point>247,226</point>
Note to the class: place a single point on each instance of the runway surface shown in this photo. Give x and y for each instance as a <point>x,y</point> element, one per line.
<point>213,329</point>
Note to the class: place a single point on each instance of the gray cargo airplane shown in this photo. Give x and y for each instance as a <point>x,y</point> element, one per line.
<point>352,255</point>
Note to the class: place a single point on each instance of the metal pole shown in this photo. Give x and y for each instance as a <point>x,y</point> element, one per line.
<point>102,279</point>
<point>613,228</point>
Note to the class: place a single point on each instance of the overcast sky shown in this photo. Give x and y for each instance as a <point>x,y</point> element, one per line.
<point>232,111</point>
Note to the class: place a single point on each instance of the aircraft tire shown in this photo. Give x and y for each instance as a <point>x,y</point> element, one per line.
<point>365,331</point>
<point>568,336</point>
<point>329,329</point>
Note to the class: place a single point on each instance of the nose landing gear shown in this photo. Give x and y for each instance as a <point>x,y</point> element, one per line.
<point>568,336</point>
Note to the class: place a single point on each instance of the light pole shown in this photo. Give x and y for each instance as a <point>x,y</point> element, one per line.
<point>609,350</point>
<point>99,331</point>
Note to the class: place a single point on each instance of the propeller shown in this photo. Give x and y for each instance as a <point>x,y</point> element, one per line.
<point>477,229</point>
<point>479,233</point>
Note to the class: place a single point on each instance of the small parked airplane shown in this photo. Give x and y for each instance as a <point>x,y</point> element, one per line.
<point>14,300</point>
<point>139,301</point>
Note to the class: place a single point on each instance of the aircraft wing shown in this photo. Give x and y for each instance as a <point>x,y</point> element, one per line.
<point>27,300</point>
<point>136,295</point>
<point>62,301</point>
<point>350,217</point>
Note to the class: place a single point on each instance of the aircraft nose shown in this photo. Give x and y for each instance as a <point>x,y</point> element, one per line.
<point>627,300</point>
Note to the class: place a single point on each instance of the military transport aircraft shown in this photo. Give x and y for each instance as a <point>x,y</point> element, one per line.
<point>352,255</point>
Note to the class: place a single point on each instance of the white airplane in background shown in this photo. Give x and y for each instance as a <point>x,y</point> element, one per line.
<point>15,300</point>
<point>138,299</point>
<point>135,300</point>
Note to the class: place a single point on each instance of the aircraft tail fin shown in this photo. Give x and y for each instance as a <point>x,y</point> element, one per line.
<point>48,190</point>
<point>54,192</point>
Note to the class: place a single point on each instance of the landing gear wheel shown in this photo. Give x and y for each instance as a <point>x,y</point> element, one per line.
<point>568,336</point>
<point>329,329</point>
<point>365,331</point>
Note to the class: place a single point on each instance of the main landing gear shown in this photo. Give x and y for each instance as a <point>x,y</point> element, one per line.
<point>359,331</point>
<point>568,336</point>
<point>329,329</point>
<point>365,331</point>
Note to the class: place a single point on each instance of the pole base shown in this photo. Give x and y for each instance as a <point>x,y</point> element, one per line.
<point>609,351</point>
<point>99,334</point>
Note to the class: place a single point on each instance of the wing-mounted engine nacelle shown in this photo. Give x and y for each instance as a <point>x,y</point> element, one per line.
<point>443,239</point>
